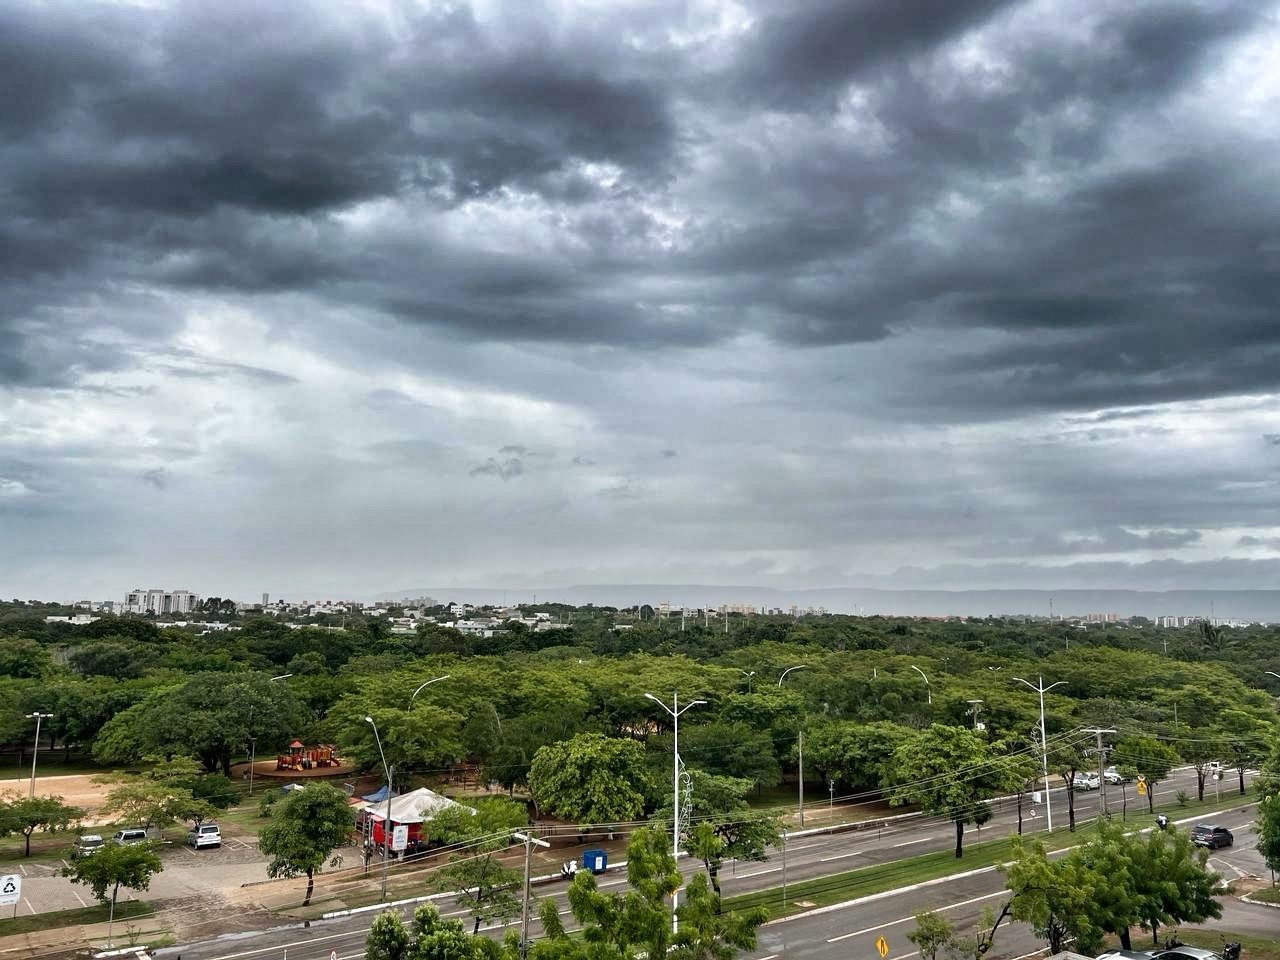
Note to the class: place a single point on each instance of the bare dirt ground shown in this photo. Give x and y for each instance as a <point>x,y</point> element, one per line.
<point>77,789</point>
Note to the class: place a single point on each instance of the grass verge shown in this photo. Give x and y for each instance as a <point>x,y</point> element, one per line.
<point>57,919</point>
<point>836,888</point>
<point>1255,948</point>
<point>1266,895</point>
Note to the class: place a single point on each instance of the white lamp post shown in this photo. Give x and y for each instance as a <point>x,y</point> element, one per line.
<point>675,710</point>
<point>799,742</point>
<point>252,740</point>
<point>425,685</point>
<point>35,750</point>
<point>928,687</point>
<point>1044,743</point>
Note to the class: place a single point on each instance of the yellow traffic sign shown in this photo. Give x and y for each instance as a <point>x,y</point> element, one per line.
<point>1142,788</point>
<point>882,946</point>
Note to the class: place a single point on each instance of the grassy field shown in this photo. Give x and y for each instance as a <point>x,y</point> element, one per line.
<point>1267,895</point>
<point>1252,948</point>
<point>81,915</point>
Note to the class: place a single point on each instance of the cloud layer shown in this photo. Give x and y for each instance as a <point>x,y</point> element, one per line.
<point>334,298</point>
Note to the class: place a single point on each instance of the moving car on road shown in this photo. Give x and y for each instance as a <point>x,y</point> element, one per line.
<point>1112,775</point>
<point>1212,836</point>
<point>204,835</point>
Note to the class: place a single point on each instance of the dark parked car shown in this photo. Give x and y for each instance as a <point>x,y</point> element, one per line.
<point>1211,836</point>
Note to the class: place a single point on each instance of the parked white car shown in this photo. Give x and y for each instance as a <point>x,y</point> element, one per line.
<point>1085,781</point>
<point>1113,775</point>
<point>204,835</point>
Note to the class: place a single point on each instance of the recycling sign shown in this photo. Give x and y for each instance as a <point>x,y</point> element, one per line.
<point>10,889</point>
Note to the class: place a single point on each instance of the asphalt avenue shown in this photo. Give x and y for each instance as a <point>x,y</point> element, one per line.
<point>837,931</point>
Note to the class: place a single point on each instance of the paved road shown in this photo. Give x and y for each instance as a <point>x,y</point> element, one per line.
<point>828,934</point>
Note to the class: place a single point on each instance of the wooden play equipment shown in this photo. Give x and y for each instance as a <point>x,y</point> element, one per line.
<point>301,757</point>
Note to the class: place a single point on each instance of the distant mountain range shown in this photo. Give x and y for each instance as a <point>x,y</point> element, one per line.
<point>1223,604</point>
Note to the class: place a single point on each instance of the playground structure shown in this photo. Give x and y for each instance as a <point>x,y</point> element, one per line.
<point>301,757</point>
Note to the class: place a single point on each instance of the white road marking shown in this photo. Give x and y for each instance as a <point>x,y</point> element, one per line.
<point>892,923</point>
<point>758,873</point>
<point>840,856</point>
<point>78,897</point>
<point>907,843</point>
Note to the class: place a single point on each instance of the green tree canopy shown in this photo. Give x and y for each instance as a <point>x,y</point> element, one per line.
<point>26,815</point>
<point>304,830</point>
<point>951,772</point>
<point>590,779</point>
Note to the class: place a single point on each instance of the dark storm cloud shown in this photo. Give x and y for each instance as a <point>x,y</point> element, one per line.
<point>811,48</point>
<point>140,157</point>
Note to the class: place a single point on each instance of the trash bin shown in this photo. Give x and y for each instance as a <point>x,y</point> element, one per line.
<point>595,860</point>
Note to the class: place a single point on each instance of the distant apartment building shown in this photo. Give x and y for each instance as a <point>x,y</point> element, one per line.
<point>159,602</point>
<point>1102,618</point>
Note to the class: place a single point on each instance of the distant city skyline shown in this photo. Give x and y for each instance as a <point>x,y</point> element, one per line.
<point>319,299</point>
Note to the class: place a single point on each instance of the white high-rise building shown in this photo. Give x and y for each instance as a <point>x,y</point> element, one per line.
<point>160,601</point>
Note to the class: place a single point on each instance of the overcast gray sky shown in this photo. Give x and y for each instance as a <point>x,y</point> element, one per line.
<point>335,299</point>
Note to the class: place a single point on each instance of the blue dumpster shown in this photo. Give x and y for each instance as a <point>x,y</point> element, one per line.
<point>595,860</point>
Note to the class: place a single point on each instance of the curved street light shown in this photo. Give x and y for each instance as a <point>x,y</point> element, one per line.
<point>799,744</point>
<point>1044,743</point>
<point>427,684</point>
<point>675,710</point>
<point>928,687</point>
<point>253,740</point>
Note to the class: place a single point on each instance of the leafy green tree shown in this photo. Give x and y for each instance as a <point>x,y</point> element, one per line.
<point>619,924</point>
<point>484,885</point>
<point>1107,860</point>
<point>1244,737</point>
<point>388,939</point>
<point>724,826</point>
<point>1152,759</point>
<point>590,779</point>
<point>951,772</point>
<point>26,815</point>
<point>114,866</point>
<point>24,658</point>
<point>1052,897</point>
<point>304,830</point>
<point>1269,833</point>
<point>706,932</point>
<point>931,934</point>
<point>153,804</point>
<point>857,754</point>
<point>1067,758</point>
<point>1173,882</point>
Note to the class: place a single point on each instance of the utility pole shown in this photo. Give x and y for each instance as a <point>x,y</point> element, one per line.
<point>1102,752</point>
<point>529,841</point>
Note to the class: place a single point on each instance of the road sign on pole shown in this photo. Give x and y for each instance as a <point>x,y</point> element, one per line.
<point>882,946</point>
<point>10,889</point>
<point>1142,786</point>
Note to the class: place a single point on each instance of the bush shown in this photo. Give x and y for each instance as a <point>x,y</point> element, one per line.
<point>1182,798</point>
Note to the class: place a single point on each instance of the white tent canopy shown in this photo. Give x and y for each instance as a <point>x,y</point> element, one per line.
<point>413,807</point>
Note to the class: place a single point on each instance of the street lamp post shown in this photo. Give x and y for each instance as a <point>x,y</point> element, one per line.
<point>528,841</point>
<point>1044,743</point>
<point>675,710</point>
<point>928,687</point>
<point>750,675</point>
<point>386,824</point>
<point>253,741</point>
<point>427,684</point>
<point>35,750</point>
<point>1274,674</point>
<point>799,742</point>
